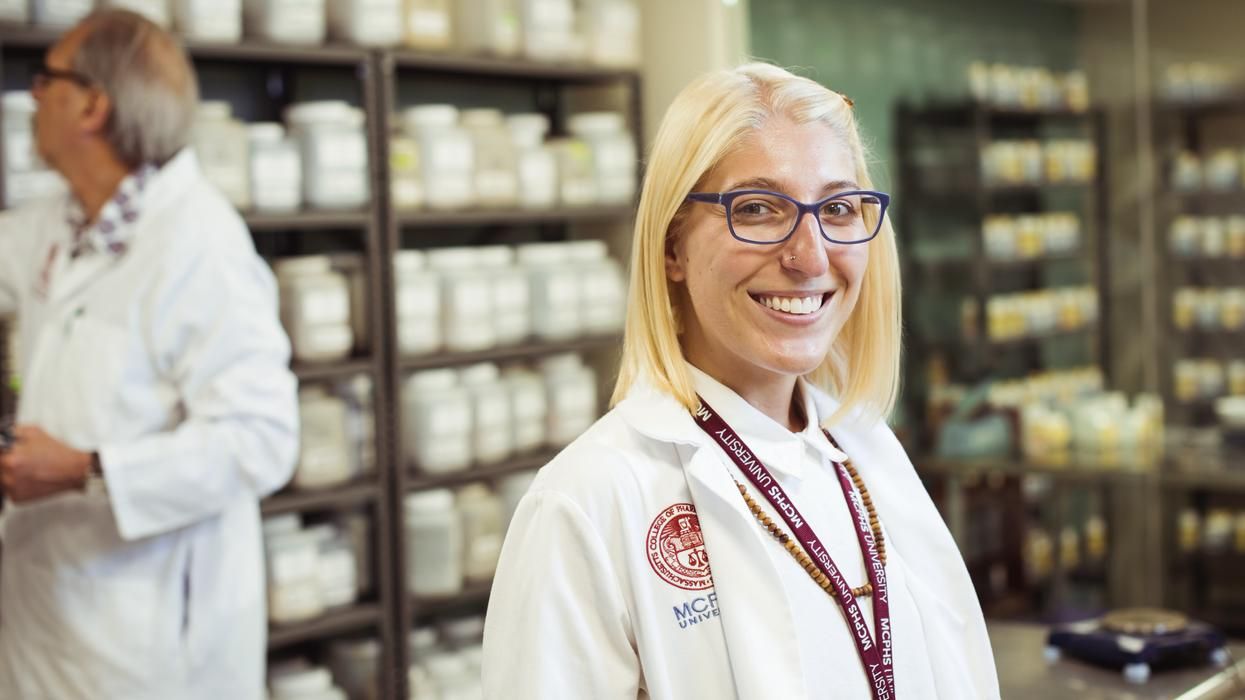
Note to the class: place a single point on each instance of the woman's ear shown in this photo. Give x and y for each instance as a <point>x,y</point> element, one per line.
<point>675,271</point>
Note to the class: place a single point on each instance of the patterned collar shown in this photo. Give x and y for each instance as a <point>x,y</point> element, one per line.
<point>113,228</point>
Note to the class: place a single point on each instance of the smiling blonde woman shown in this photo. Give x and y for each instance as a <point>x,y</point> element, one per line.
<point>743,523</point>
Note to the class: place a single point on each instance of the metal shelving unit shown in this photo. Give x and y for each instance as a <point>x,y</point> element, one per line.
<point>518,463</point>
<point>343,496</point>
<point>333,623</point>
<point>512,353</point>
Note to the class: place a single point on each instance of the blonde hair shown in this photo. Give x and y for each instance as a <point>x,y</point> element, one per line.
<point>708,119</point>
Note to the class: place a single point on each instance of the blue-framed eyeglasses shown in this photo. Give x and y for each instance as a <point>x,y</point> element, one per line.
<point>766,218</point>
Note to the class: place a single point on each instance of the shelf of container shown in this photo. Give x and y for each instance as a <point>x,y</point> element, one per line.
<point>331,624</point>
<point>512,353</point>
<point>514,217</point>
<point>523,69</point>
<point>1075,470</point>
<point>308,220</point>
<point>336,497</point>
<point>473,598</point>
<point>332,370</point>
<point>519,463</point>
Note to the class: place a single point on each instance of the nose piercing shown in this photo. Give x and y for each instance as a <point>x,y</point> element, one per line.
<point>790,258</point>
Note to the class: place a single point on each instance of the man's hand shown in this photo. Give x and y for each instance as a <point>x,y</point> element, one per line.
<point>38,465</point>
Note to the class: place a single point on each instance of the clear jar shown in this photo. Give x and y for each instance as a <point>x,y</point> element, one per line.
<point>555,290</point>
<point>276,174</point>
<point>300,22</point>
<point>406,184</point>
<point>492,426</point>
<point>360,425</point>
<point>572,390</point>
<point>577,179</point>
<point>550,30</point>
<point>60,13</point>
<point>221,143</point>
<point>496,161</point>
<point>529,408</point>
<point>418,304</point>
<point>366,22</point>
<point>482,514</point>
<point>603,291</point>
<point>293,562</point>
<point>355,664</point>
<point>334,153</point>
<point>324,457</point>
<point>315,308</point>
<point>447,156</point>
<point>209,20</point>
<point>538,164</point>
<point>512,307</point>
<point>467,312</point>
<point>434,544</point>
<point>155,10</point>
<point>489,27</point>
<point>437,420</point>
<point>613,154</point>
<point>337,566</point>
<point>613,32</point>
<point>428,24</point>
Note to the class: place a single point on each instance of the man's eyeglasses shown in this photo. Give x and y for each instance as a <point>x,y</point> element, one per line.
<point>766,218</point>
<point>45,74</point>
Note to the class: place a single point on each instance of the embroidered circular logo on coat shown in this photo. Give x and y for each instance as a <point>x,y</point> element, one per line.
<point>676,549</point>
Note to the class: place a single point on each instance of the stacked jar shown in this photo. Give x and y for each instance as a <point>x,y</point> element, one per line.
<point>489,27</point>
<point>492,419</point>
<point>555,290</point>
<point>315,308</point>
<point>529,408</point>
<point>511,303</point>
<point>538,164</point>
<point>467,300</point>
<point>602,287</point>
<point>310,569</point>
<point>334,153</point>
<point>550,30</point>
<point>572,391</point>
<point>437,422</point>
<point>613,154</point>
<point>446,155</point>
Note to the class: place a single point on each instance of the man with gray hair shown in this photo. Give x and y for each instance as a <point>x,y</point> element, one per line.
<point>157,406</point>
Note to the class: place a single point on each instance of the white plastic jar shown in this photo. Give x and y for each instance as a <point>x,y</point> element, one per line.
<point>336,570</point>
<point>437,422</point>
<point>299,22</point>
<point>577,177</point>
<point>300,683</point>
<point>334,153</point>
<point>434,544</point>
<point>467,310</point>
<point>512,309</point>
<point>315,308</point>
<point>276,174</point>
<point>59,13</point>
<point>529,408</point>
<point>613,32</point>
<point>572,391</point>
<point>537,163</point>
<point>482,515</point>
<point>555,290</point>
<point>293,561</point>
<point>324,455</point>
<point>221,144</point>
<point>418,293</point>
<point>496,161</point>
<point>549,30</point>
<point>366,22</point>
<point>355,664</point>
<point>613,154</point>
<point>492,424</point>
<point>428,24</point>
<point>406,184</point>
<point>489,27</point>
<point>603,291</point>
<point>155,10</point>
<point>209,20</point>
<point>447,156</point>
<point>353,268</point>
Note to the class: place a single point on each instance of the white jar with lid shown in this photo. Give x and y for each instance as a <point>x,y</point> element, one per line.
<point>315,308</point>
<point>482,514</point>
<point>334,153</point>
<point>451,675</point>
<point>447,155</point>
<point>406,183</point>
<point>489,27</point>
<point>298,22</point>
<point>337,566</point>
<point>529,408</point>
<point>555,290</point>
<point>324,455</point>
<point>512,309</point>
<point>428,25</point>
<point>293,561</point>
<point>572,391</point>
<point>14,10</point>
<point>355,664</point>
<point>418,291</point>
<point>434,544</point>
<point>60,13</point>
<point>221,144</point>
<point>537,163</point>
<point>511,490</point>
<point>613,32</point>
<point>276,174</point>
<point>155,10</point>
<point>577,177</point>
<point>437,420</point>
<point>613,154</point>
<point>549,30</point>
<point>492,425</point>
<point>356,394</point>
<point>20,154</point>
<point>299,683</point>
<point>603,291</point>
<point>209,20</point>
<point>496,161</point>
<point>366,22</point>
<point>353,267</point>
<point>467,310</point>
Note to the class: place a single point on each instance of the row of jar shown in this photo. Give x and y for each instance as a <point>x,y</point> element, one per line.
<point>446,660</point>
<point>337,439</point>
<point>479,415</point>
<point>1033,314</point>
<point>455,299</point>
<point>444,159</point>
<point>1032,162</point>
<point>1025,237</point>
<point>1029,88</point>
<point>316,567</point>
<point>1086,546</point>
<point>1199,379</point>
<point>605,32</point>
<point>1090,425</point>
<point>1207,237</point>
<point>350,671</point>
<point>1058,385</point>
<point>26,176</point>
<point>454,537</point>
<point>1217,530</point>
<point>1209,308</point>
<point>1197,82</point>
<point>1219,170</point>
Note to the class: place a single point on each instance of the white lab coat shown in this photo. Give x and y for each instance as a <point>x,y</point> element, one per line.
<point>170,361</point>
<point>578,611</point>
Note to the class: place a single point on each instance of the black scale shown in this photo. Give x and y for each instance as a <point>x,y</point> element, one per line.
<point>1138,642</point>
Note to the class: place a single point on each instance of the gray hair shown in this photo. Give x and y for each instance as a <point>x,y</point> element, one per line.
<point>148,77</point>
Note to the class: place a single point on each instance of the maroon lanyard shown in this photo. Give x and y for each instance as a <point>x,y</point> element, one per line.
<point>878,662</point>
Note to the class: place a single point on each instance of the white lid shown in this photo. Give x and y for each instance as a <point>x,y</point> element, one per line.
<point>303,265</point>
<point>365,649</point>
<point>596,123</point>
<point>430,116</point>
<point>452,258</point>
<point>464,630</point>
<point>19,101</point>
<point>483,117</point>
<point>425,501</point>
<point>541,253</point>
<point>474,491</point>
<point>431,380</point>
<point>297,683</point>
<point>265,132</point>
<point>586,251</point>
<point>528,121</point>
<point>445,665</point>
<point>422,640</point>
<point>319,112</point>
<point>480,375</point>
<point>322,532</point>
<point>282,524</point>
<point>494,256</point>
<point>409,261</point>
